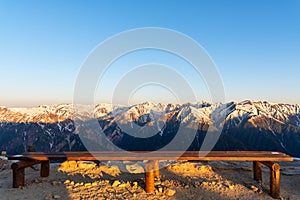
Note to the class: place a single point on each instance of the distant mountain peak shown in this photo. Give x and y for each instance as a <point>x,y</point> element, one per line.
<point>254,125</point>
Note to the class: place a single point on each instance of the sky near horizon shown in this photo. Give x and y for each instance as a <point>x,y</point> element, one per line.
<point>43,44</point>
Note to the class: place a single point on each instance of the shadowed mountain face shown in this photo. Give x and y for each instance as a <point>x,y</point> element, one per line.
<point>245,126</point>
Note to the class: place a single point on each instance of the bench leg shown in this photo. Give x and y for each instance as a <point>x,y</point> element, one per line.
<point>149,177</point>
<point>18,169</point>
<point>18,177</point>
<point>156,169</point>
<point>275,181</point>
<point>45,168</point>
<point>257,173</point>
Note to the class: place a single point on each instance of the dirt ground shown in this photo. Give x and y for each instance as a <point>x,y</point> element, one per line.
<point>125,180</point>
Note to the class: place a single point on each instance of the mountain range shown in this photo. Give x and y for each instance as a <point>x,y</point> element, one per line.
<point>246,125</point>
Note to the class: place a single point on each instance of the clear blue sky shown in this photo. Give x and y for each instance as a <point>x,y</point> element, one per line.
<point>255,44</point>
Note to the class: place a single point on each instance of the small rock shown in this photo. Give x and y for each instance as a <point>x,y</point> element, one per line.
<point>109,190</point>
<point>134,194</point>
<point>157,182</point>
<point>56,197</point>
<point>135,185</point>
<point>67,182</point>
<point>122,185</point>
<point>87,185</point>
<point>77,184</point>
<point>48,197</point>
<point>116,183</point>
<point>64,165</point>
<point>72,164</point>
<point>254,188</point>
<point>197,184</point>
<point>134,169</point>
<point>204,183</point>
<point>160,189</point>
<point>55,183</point>
<point>231,187</point>
<point>94,184</point>
<point>72,183</point>
<point>170,192</point>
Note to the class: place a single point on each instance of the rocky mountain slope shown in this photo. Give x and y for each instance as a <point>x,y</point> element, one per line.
<point>243,126</point>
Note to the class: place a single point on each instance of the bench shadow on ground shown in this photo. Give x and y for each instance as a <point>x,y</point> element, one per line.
<point>168,180</point>
<point>189,188</point>
<point>242,173</point>
<point>173,181</point>
<point>236,174</point>
<point>239,173</point>
<point>186,187</point>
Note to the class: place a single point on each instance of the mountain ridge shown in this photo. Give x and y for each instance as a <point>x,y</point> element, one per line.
<point>247,125</point>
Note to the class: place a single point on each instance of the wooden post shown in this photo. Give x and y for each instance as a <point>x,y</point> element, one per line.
<point>19,172</point>
<point>275,181</point>
<point>45,168</point>
<point>257,171</point>
<point>149,178</point>
<point>18,177</point>
<point>156,169</point>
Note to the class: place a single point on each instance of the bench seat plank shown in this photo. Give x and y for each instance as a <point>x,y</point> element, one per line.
<point>157,155</point>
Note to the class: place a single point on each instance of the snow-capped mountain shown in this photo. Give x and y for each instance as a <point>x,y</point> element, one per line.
<point>244,125</point>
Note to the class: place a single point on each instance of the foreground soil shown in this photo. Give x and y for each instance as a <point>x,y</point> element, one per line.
<point>125,180</point>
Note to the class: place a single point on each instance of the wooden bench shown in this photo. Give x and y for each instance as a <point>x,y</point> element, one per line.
<point>268,159</point>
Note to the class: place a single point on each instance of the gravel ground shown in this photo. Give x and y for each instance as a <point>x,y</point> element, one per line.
<point>125,180</point>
